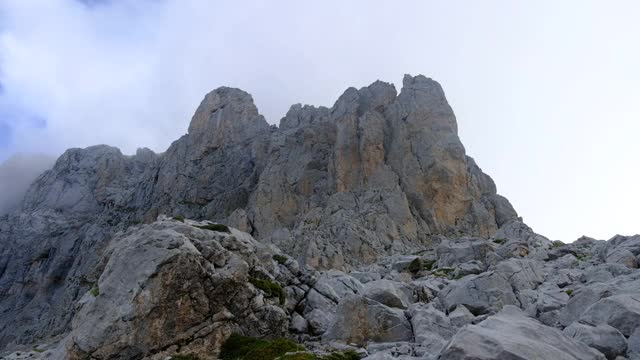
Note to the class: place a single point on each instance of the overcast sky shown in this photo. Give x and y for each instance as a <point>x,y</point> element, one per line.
<point>547,93</point>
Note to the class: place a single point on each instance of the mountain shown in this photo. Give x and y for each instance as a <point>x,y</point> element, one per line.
<point>364,224</point>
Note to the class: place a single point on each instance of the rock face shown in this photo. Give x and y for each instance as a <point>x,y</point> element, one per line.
<point>511,335</point>
<point>362,226</point>
<point>377,174</point>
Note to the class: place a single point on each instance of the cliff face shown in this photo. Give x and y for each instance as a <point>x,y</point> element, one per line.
<point>379,173</point>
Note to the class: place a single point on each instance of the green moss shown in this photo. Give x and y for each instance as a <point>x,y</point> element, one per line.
<point>500,241</point>
<point>184,357</point>
<point>582,257</point>
<point>95,290</point>
<point>443,272</point>
<point>346,355</point>
<point>272,289</point>
<point>280,259</point>
<point>428,265</point>
<point>556,244</point>
<point>415,265</point>
<point>248,348</point>
<point>179,218</point>
<point>38,350</point>
<point>214,227</point>
<point>569,292</point>
<point>299,356</point>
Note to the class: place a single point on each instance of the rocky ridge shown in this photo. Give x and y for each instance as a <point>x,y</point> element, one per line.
<point>363,226</point>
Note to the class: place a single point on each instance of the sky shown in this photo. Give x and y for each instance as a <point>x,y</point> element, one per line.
<point>545,92</point>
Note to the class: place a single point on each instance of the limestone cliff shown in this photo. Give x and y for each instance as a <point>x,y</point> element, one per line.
<point>377,174</point>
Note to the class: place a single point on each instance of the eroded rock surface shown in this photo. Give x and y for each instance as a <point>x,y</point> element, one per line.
<point>363,226</point>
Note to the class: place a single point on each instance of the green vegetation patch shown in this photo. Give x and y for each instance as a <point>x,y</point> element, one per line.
<point>443,272</point>
<point>184,357</point>
<point>569,292</point>
<point>556,244</point>
<point>280,259</point>
<point>248,348</point>
<point>272,289</point>
<point>428,264</point>
<point>179,218</point>
<point>214,227</point>
<point>346,355</point>
<point>415,265</point>
<point>500,241</point>
<point>582,257</point>
<point>95,290</point>
<point>419,264</point>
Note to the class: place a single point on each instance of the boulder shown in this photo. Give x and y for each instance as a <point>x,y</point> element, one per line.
<point>620,311</point>
<point>603,337</point>
<point>454,252</point>
<point>387,292</point>
<point>460,317</point>
<point>481,294</point>
<point>360,320</point>
<point>510,334</point>
<point>426,320</point>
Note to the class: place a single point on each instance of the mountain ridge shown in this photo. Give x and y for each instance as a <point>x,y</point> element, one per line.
<point>378,174</point>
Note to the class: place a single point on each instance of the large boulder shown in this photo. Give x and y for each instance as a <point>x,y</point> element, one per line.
<point>512,335</point>
<point>620,311</point>
<point>481,294</point>
<point>603,337</point>
<point>387,292</point>
<point>165,288</point>
<point>360,320</point>
<point>454,252</point>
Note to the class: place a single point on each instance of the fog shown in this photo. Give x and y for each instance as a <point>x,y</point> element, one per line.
<point>545,92</point>
<point>16,174</point>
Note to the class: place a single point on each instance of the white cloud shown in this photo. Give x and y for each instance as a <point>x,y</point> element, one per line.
<point>545,92</point>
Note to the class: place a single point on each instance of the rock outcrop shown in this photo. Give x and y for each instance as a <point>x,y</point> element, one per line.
<point>363,226</point>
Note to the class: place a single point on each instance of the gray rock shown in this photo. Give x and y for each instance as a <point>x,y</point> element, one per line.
<point>299,324</point>
<point>159,288</point>
<point>377,174</point>
<point>512,335</point>
<point>622,256</point>
<point>451,253</point>
<point>481,294</point>
<point>604,338</point>
<point>469,268</point>
<point>390,293</point>
<point>461,316</point>
<point>620,311</point>
<point>360,320</point>
<point>426,321</point>
<point>521,273</point>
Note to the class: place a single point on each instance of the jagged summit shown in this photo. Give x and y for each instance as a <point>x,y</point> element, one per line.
<point>377,174</point>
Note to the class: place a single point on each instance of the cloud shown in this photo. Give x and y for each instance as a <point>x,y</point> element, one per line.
<point>17,174</point>
<point>545,92</point>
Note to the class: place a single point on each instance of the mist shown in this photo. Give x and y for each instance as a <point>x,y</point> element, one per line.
<point>545,93</point>
<point>16,175</point>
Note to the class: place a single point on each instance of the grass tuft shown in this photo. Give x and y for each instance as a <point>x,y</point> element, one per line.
<point>248,348</point>
<point>272,289</point>
<point>184,357</point>
<point>415,265</point>
<point>280,259</point>
<point>179,218</point>
<point>95,290</point>
<point>214,227</point>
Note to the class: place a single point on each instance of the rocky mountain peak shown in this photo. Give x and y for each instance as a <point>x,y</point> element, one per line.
<point>226,115</point>
<point>377,175</point>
